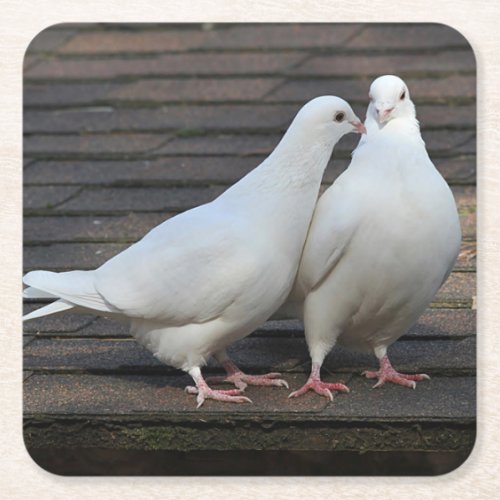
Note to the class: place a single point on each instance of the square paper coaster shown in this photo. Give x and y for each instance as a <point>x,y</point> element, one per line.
<point>127,125</point>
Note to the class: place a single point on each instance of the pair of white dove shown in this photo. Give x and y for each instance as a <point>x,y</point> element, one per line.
<point>380,242</point>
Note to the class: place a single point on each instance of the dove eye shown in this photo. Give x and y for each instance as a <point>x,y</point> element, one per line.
<point>403,95</point>
<point>339,116</point>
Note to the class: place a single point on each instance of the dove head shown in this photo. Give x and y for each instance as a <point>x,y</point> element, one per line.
<point>330,116</point>
<point>389,99</point>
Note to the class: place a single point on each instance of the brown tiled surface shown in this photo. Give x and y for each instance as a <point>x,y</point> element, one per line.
<point>209,118</point>
<point>421,89</point>
<point>165,65</point>
<point>126,125</point>
<point>359,64</point>
<point>407,36</point>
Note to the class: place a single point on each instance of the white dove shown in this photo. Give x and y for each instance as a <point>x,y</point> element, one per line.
<point>383,239</point>
<point>211,275</point>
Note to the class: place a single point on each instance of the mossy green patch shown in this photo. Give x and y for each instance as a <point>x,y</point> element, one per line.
<point>190,132</point>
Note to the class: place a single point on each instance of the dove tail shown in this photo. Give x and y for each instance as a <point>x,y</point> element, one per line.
<point>55,307</point>
<point>34,293</point>
<point>72,288</point>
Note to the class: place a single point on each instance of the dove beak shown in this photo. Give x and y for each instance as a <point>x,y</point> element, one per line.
<point>384,114</point>
<point>358,127</point>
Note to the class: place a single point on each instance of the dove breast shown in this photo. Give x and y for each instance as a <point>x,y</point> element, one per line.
<point>383,239</point>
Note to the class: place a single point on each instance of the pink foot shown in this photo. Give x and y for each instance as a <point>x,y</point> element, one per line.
<point>315,384</point>
<point>229,396</point>
<point>204,392</point>
<point>322,388</point>
<point>387,373</point>
<point>242,380</point>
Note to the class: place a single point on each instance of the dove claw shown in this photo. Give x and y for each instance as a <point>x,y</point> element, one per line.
<point>315,384</point>
<point>242,380</point>
<point>387,373</point>
<point>322,388</point>
<point>284,383</point>
<point>228,396</point>
<point>240,385</point>
<point>204,391</point>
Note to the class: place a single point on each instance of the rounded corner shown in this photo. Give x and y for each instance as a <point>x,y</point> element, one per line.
<point>466,460</point>
<point>41,32</point>
<point>39,464</point>
<point>465,39</point>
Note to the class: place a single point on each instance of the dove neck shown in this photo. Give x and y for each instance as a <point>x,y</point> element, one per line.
<point>294,170</point>
<point>406,123</point>
<point>300,158</point>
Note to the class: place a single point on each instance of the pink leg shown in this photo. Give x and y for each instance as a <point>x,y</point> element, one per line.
<point>387,373</point>
<point>241,380</point>
<point>315,384</point>
<point>203,391</point>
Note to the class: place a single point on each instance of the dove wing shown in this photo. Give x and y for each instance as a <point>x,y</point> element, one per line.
<point>188,269</point>
<point>334,223</point>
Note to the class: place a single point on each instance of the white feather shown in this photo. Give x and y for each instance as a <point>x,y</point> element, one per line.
<point>211,275</point>
<point>383,239</point>
<point>53,308</point>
